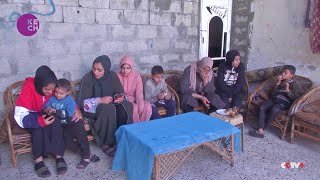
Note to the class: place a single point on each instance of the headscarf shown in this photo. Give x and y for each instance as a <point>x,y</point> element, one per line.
<point>127,60</point>
<point>44,76</point>
<point>230,57</point>
<point>102,86</point>
<point>204,62</point>
<point>129,82</point>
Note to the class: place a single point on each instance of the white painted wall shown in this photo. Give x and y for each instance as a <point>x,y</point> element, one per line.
<point>278,36</point>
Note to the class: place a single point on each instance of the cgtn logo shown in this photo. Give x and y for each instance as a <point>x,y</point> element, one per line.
<point>292,165</point>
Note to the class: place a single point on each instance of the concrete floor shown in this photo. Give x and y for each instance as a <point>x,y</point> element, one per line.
<point>261,160</point>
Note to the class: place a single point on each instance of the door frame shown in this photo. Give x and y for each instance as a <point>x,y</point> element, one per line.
<point>204,32</point>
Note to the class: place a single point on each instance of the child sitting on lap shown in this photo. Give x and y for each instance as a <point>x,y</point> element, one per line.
<point>63,106</point>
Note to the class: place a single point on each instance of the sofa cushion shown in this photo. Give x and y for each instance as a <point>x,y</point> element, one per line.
<point>308,117</point>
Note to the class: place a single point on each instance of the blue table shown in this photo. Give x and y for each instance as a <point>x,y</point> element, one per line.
<point>160,146</point>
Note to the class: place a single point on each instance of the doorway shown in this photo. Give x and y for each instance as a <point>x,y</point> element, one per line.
<point>215,26</point>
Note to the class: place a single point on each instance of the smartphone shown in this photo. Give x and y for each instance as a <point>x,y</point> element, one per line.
<point>117,96</point>
<point>48,115</point>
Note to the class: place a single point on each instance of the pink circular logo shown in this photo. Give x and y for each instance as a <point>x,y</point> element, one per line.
<point>28,24</point>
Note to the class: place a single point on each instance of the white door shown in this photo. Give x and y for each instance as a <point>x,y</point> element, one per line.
<point>215,25</point>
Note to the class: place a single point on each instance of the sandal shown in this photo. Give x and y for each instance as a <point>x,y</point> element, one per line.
<point>61,166</point>
<point>111,151</point>
<point>256,134</point>
<point>83,164</point>
<point>94,158</point>
<point>42,170</point>
<point>105,149</point>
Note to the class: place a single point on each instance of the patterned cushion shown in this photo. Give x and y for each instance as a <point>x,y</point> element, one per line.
<point>311,118</point>
<point>264,95</point>
<point>260,97</point>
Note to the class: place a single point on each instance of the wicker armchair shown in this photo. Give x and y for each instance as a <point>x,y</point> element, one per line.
<point>161,110</point>
<point>262,93</point>
<point>306,118</point>
<point>19,138</point>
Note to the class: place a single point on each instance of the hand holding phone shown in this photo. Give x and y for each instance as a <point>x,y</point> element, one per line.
<point>118,98</point>
<point>48,119</point>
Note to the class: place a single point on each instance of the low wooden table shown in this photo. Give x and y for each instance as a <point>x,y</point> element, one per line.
<point>237,121</point>
<point>157,148</point>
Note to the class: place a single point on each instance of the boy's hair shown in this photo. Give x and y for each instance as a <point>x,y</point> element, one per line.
<point>291,68</point>
<point>64,83</point>
<point>156,70</point>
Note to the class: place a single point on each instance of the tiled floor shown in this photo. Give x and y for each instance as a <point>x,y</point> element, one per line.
<point>261,160</point>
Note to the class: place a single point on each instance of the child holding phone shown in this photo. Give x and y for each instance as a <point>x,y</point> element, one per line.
<point>156,92</point>
<point>63,106</point>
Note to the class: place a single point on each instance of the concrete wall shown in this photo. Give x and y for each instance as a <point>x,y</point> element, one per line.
<point>278,37</point>
<point>240,27</point>
<point>266,32</point>
<point>154,32</point>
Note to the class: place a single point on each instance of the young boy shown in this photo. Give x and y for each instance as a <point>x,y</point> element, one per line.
<point>63,106</point>
<point>283,94</point>
<point>156,92</point>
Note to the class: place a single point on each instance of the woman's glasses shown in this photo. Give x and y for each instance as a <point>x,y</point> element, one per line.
<point>204,70</point>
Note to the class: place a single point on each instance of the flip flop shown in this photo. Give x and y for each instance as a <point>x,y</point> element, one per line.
<point>61,166</point>
<point>83,164</point>
<point>94,158</point>
<point>43,171</point>
<point>256,134</point>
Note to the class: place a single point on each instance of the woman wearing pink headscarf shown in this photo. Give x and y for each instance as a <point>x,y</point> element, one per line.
<point>133,88</point>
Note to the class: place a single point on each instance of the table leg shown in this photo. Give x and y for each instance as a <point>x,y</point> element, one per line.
<point>232,150</point>
<point>242,137</point>
<point>156,168</point>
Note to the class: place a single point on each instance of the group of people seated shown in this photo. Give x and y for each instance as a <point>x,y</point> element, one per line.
<point>46,108</point>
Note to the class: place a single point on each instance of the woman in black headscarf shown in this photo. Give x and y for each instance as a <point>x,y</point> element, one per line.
<point>46,132</point>
<point>231,80</point>
<point>99,90</point>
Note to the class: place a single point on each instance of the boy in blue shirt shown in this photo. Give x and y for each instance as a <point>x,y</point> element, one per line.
<point>63,106</point>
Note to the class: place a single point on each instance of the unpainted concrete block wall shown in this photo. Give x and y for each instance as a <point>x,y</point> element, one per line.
<point>74,32</point>
<point>278,36</point>
<point>240,27</point>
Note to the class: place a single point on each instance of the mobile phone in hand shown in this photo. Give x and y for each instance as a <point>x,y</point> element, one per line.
<point>48,115</point>
<point>117,96</point>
